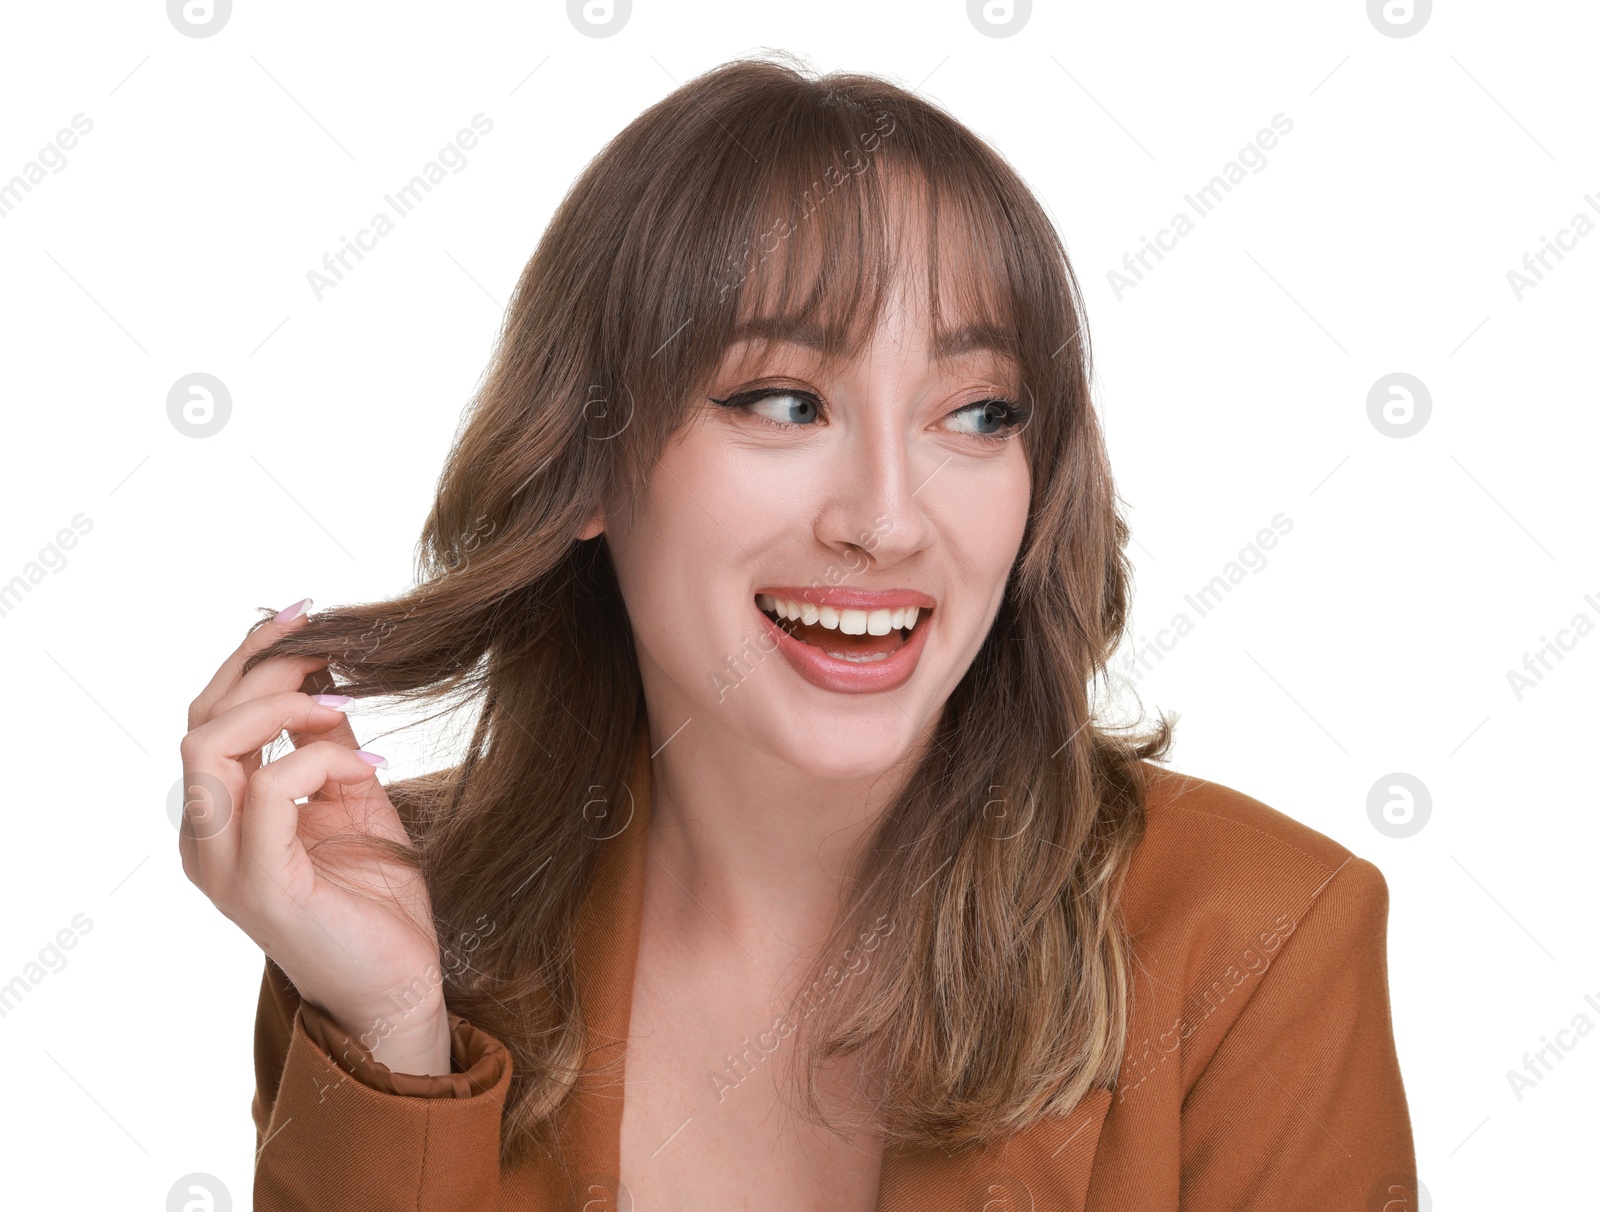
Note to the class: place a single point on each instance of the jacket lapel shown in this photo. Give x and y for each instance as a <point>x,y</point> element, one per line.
<point>606,951</point>
<point>1043,1169</point>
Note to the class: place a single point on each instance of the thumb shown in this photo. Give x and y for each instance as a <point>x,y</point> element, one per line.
<point>320,681</point>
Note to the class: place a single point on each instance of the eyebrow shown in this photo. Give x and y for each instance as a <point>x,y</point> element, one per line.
<point>948,344</point>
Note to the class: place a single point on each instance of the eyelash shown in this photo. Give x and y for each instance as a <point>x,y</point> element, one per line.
<point>1016,415</point>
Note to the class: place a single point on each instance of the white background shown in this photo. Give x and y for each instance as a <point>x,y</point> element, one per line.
<point>1233,381</point>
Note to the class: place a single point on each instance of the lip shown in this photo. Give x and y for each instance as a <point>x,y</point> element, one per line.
<point>850,599</point>
<point>850,677</point>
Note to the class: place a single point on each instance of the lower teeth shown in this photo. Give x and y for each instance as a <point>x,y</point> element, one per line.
<point>855,658</point>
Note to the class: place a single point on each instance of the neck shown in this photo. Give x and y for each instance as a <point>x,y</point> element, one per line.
<point>748,849</point>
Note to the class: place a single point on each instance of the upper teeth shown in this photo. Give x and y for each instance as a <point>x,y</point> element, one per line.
<point>850,622</point>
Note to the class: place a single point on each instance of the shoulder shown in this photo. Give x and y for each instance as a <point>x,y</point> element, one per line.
<point>1258,989</point>
<point>1182,809</point>
<point>1218,871</point>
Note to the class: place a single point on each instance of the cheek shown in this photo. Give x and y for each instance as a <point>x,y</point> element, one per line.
<point>702,518</point>
<point>728,502</point>
<point>983,518</point>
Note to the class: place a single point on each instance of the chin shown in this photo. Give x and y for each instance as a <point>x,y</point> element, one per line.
<point>841,744</point>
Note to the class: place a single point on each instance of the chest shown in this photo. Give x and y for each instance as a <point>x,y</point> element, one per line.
<point>709,1103</point>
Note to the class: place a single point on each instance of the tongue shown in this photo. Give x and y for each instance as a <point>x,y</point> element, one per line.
<point>833,640</point>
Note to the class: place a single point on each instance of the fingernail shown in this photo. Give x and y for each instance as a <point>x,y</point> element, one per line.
<point>291,612</point>
<point>382,763</point>
<point>337,701</point>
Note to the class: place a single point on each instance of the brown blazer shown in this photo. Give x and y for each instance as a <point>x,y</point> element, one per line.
<point>1260,1070</point>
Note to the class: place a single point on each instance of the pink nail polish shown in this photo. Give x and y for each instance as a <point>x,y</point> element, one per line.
<point>337,701</point>
<point>382,763</point>
<point>290,612</point>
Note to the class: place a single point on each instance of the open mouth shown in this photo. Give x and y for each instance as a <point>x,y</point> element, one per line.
<point>862,637</point>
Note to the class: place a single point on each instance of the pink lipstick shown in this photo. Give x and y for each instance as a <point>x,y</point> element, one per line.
<point>851,641</point>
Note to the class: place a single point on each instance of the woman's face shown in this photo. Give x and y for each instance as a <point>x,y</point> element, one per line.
<point>886,484</point>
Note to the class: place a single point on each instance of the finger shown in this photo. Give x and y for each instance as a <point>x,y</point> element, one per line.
<point>308,674</point>
<point>215,775</point>
<point>281,674</point>
<point>319,683</point>
<point>188,854</point>
<point>270,821</point>
<point>258,637</point>
<point>271,676</point>
<point>340,734</point>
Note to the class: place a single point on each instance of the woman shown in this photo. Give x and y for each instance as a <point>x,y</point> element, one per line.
<point>788,864</point>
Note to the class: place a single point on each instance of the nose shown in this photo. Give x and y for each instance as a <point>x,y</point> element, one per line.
<point>875,500</point>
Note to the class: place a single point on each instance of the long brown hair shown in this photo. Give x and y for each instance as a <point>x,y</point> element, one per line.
<point>758,191</point>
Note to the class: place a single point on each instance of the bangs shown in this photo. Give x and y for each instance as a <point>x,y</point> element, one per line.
<point>770,208</point>
<point>839,222</point>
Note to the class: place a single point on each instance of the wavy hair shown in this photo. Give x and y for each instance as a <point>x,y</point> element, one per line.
<point>760,192</point>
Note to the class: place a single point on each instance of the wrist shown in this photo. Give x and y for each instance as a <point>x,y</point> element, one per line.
<point>418,1046</point>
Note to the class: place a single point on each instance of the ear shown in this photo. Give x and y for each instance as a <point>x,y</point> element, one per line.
<point>595,524</point>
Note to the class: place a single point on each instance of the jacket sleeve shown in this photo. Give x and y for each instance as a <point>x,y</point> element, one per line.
<point>337,1129</point>
<point>1302,1105</point>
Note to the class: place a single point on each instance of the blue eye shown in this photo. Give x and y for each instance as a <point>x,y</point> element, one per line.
<point>778,406</point>
<point>992,419</point>
<point>989,421</point>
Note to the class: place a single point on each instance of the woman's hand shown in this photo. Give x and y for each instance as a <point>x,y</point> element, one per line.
<point>368,958</point>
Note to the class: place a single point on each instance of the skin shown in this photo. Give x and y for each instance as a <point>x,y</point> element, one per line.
<point>759,798</point>
<point>345,951</point>
<point>732,505</point>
